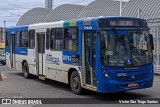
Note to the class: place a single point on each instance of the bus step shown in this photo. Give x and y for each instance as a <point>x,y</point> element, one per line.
<point>89,87</point>
<point>42,77</point>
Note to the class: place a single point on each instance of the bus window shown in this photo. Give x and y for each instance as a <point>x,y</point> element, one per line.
<point>52,39</point>
<point>47,38</point>
<point>7,38</point>
<point>18,39</point>
<point>31,39</point>
<point>70,39</point>
<point>56,39</point>
<point>59,39</point>
<point>23,39</point>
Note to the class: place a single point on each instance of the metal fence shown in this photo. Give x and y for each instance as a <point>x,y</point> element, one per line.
<point>155,30</point>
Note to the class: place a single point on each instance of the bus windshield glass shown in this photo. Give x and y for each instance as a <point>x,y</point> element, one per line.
<point>125,48</point>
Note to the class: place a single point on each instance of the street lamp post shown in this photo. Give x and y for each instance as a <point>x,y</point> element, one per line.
<point>139,13</point>
<point>4,23</point>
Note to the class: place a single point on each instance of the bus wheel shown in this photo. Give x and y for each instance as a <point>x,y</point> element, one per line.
<point>75,83</point>
<point>26,70</point>
<point>3,63</point>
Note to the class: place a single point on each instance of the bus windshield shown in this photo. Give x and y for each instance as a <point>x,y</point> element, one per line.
<point>128,49</point>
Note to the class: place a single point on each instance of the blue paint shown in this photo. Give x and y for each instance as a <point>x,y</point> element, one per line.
<point>13,31</point>
<point>108,85</point>
<point>79,22</point>
<point>7,49</point>
<point>95,21</point>
<point>21,51</point>
<point>67,57</point>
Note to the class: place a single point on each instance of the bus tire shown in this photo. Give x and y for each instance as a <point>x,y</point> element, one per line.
<point>26,70</point>
<point>3,63</point>
<point>75,83</point>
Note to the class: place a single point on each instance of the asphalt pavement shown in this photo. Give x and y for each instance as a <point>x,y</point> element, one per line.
<point>14,85</point>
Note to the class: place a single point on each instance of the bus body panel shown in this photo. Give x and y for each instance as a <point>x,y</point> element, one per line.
<point>12,52</point>
<point>142,75</point>
<point>54,67</point>
<point>57,64</point>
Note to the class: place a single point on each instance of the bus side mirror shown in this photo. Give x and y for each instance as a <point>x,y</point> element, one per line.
<point>151,41</point>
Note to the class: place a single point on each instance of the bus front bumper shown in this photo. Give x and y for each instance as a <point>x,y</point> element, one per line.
<point>112,86</point>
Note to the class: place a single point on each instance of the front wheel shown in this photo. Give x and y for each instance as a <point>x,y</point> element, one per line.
<point>26,70</point>
<point>75,83</point>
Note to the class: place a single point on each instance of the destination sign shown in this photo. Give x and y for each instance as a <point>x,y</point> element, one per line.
<point>122,22</point>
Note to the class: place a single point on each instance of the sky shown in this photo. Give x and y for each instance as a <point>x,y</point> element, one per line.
<point>12,10</point>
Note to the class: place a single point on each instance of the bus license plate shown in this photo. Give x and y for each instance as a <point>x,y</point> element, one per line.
<point>133,85</point>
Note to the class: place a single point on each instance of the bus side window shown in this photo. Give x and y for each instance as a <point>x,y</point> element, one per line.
<point>7,38</point>
<point>71,39</point>
<point>18,39</point>
<point>31,39</point>
<point>56,39</point>
<point>23,39</point>
<point>47,38</point>
<point>59,39</point>
<point>52,39</point>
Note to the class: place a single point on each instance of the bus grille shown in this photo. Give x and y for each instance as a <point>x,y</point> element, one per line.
<point>129,78</point>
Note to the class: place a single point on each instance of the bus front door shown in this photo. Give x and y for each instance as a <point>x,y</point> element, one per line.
<point>40,53</point>
<point>12,49</point>
<point>89,58</point>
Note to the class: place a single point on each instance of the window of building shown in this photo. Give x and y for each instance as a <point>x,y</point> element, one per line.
<point>71,39</point>
<point>56,39</point>
<point>32,39</point>
<point>47,38</point>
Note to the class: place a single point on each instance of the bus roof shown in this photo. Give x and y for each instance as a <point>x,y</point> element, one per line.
<point>46,25</point>
<point>76,22</point>
<point>92,20</point>
<point>17,28</point>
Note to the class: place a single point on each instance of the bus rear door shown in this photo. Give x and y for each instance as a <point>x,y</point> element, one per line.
<point>40,53</point>
<point>11,59</point>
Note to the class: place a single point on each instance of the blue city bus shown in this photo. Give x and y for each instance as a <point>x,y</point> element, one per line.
<point>102,54</point>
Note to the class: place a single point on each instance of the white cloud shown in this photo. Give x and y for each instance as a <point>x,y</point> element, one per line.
<point>9,9</point>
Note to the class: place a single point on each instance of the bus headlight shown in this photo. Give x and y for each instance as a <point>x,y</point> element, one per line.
<point>106,75</point>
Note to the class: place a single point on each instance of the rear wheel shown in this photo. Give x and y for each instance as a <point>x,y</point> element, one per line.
<point>3,63</point>
<point>26,70</point>
<point>75,83</point>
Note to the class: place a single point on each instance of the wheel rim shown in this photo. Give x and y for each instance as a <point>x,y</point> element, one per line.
<point>75,82</point>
